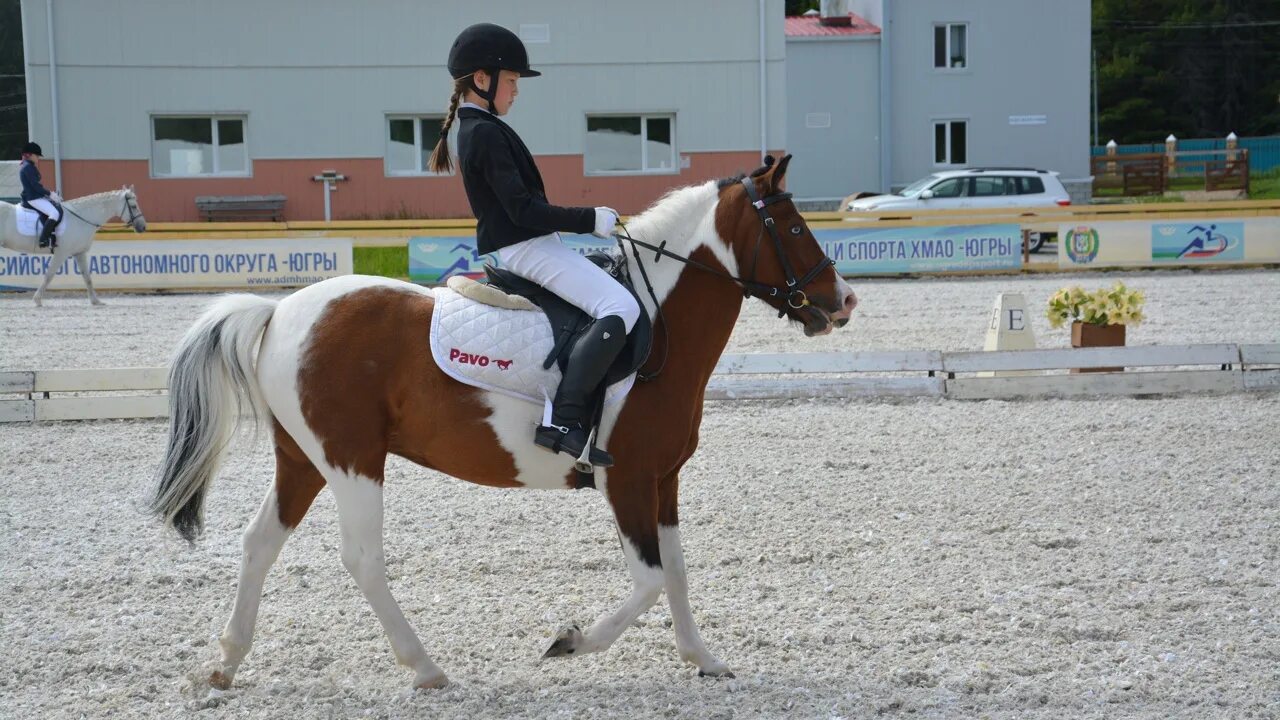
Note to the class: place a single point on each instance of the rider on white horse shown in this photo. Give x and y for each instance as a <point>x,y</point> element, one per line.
<point>34,194</point>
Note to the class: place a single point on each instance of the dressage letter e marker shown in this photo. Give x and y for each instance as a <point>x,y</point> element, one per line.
<point>1008,328</point>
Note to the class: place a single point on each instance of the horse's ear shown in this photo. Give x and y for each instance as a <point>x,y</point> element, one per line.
<point>776,177</point>
<point>763,169</point>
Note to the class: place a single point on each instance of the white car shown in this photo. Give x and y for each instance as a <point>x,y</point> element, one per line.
<point>973,188</point>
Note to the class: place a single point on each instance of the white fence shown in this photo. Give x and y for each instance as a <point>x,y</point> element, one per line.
<point>1150,370</point>
<point>84,394</point>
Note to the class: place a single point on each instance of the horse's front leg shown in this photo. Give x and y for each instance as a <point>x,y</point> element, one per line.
<point>54,264</point>
<point>635,508</point>
<point>688,641</point>
<point>82,258</point>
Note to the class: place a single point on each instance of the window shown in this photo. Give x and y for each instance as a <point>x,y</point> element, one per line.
<point>630,144</point>
<point>949,40</point>
<point>193,146</point>
<point>410,142</point>
<point>987,186</point>
<point>951,188</point>
<point>949,142</point>
<point>1030,185</point>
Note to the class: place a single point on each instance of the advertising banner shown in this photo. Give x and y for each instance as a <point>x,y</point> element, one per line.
<point>855,250</point>
<point>178,264</point>
<point>1156,243</point>
<point>944,248</point>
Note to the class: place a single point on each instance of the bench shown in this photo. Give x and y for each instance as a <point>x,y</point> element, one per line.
<point>241,207</point>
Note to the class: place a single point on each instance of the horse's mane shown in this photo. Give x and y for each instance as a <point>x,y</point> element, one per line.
<point>673,217</point>
<point>97,196</point>
<point>725,182</point>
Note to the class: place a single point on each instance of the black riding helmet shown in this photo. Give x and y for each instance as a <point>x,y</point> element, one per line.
<point>491,48</point>
<point>31,149</point>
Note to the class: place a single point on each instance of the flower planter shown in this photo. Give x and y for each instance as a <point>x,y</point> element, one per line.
<point>1091,335</point>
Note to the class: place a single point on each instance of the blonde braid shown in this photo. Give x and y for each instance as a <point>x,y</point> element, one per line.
<point>440,161</point>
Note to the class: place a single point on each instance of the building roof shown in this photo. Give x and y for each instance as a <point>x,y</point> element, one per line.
<point>809,26</point>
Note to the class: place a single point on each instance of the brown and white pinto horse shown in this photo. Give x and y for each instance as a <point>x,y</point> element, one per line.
<point>345,371</point>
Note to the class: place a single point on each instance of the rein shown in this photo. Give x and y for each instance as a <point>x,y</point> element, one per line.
<point>793,292</point>
<point>127,206</point>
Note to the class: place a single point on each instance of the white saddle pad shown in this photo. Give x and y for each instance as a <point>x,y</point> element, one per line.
<point>27,220</point>
<point>499,349</point>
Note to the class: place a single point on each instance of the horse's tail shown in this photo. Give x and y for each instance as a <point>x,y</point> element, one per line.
<point>211,381</point>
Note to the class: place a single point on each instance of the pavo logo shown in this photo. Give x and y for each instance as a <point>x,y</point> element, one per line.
<point>1082,244</point>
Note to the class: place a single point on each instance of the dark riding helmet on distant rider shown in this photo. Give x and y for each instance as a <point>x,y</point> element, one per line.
<point>32,149</point>
<point>491,48</point>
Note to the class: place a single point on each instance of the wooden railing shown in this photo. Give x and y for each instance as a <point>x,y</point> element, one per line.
<point>1140,174</point>
<point>396,233</point>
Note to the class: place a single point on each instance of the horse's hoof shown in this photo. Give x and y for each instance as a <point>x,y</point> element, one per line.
<point>432,682</point>
<point>566,643</point>
<point>219,681</point>
<point>720,672</point>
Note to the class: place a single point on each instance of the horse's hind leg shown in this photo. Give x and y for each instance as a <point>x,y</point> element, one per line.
<point>635,508</point>
<point>359,500</point>
<point>296,486</point>
<point>82,259</point>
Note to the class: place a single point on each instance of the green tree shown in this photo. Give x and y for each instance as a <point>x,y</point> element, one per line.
<point>1193,68</point>
<point>800,7</point>
<point>13,86</point>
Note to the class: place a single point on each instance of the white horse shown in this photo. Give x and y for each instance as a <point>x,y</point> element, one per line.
<point>81,218</point>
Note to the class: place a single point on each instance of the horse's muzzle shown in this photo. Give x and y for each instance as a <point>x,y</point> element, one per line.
<point>818,321</point>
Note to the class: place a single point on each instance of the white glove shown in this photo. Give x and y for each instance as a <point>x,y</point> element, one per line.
<point>55,197</point>
<point>606,218</point>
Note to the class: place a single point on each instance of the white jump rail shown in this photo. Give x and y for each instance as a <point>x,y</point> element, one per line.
<point>84,400</point>
<point>1149,370</point>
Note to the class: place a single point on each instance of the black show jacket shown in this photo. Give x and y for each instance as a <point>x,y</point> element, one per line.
<point>505,188</point>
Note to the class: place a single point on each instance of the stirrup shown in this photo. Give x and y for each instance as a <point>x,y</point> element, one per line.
<point>583,463</point>
<point>552,438</point>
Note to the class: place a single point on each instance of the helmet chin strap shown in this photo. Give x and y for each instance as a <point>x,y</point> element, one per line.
<point>492,92</point>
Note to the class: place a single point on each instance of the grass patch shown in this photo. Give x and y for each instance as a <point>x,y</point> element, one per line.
<point>392,262</point>
<point>1265,186</point>
<point>1262,186</point>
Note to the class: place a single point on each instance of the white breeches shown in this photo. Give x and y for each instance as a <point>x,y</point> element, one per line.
<point>548,262</point>
<point>46,207</point>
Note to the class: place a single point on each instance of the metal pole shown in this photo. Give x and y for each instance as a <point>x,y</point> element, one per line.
<point>764,110</point>
<point>1095,96</point>
<point>26,75</point>
<point>53,92</point>
<point>328,186</point>
<point>886,98</point>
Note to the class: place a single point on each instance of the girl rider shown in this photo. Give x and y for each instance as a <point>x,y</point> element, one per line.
<point>515,220</point>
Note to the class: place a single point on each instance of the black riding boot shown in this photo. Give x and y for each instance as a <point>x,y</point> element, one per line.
<point>590,360</point>
<point>46,236</point>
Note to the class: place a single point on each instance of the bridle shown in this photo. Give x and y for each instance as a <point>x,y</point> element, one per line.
<point>128,206</point>
<point>793,293</point>
<point>131,205</point>
<point>794,288</point>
